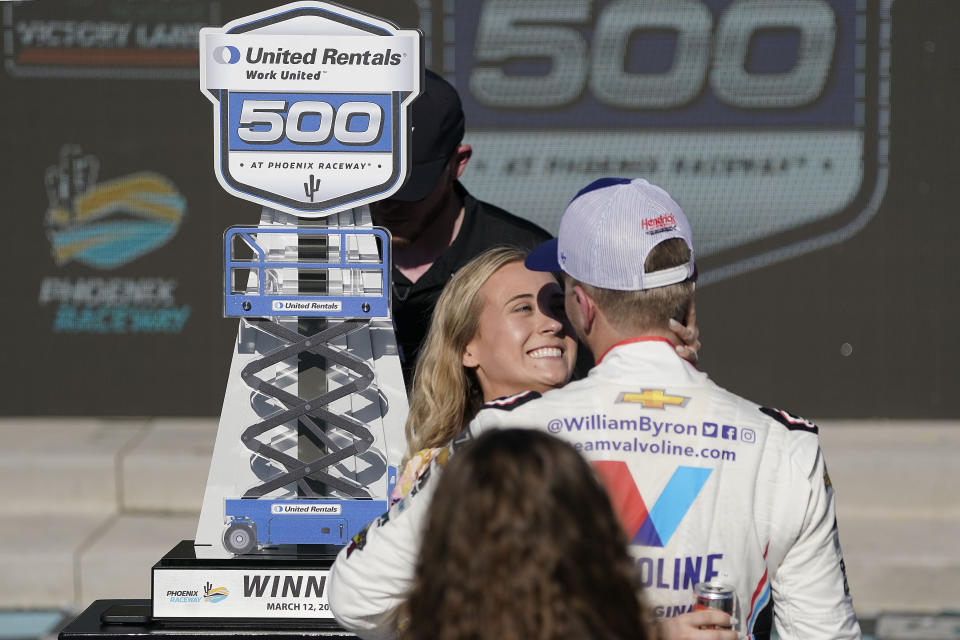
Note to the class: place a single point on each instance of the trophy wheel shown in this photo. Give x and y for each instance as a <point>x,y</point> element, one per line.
<point>239,538</point>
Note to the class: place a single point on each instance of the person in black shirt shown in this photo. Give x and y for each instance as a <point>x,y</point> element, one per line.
<point>437,226</point>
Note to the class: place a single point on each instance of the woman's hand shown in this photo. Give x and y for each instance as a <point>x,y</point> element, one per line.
<point>689,626</point>
<point>688,335</point>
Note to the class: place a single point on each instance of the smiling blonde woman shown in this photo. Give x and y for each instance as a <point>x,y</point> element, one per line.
<point>497,300</point>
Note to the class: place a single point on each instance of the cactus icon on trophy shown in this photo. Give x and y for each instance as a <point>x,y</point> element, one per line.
<point>311,186</point>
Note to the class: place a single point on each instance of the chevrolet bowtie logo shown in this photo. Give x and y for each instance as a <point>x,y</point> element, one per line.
<point>653,399</point>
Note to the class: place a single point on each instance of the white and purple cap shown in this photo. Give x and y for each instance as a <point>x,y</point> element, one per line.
<point>607,232</point>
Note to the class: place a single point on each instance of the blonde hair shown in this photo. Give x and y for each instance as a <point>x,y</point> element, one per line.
<point>445,394</point>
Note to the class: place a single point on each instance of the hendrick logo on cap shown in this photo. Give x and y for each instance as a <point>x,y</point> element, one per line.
<point>659,224</point>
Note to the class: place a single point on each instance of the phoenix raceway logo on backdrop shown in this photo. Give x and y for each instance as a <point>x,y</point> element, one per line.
<point>105,226</point>
<point>766,121</point>
<point>104,38</point>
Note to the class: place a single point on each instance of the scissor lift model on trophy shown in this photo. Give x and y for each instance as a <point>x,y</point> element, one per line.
<point>304,423</point>
<point>311,105</point>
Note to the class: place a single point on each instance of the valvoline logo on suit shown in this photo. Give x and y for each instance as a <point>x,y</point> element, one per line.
<point>655,526</point>
<point>651,527</point>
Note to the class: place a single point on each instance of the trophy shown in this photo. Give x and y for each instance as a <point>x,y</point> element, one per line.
<point>310,105</point>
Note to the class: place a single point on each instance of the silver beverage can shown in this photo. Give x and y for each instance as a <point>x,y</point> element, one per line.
<point>715,595</point>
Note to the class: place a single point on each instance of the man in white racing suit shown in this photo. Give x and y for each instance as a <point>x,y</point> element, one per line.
<point>708,485</point>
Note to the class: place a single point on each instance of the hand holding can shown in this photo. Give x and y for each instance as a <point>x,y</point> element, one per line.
<point>718,596</point>
<point>706,624</point>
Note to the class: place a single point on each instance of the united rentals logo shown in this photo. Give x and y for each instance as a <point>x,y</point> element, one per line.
<point>226,55</point>
<point>105,226</point>
<point>328,56</point>
<point>310,106</point>
<point>653,399</point>
<point>306,509</point>
<point>104,38</point>
<point>300,305</point>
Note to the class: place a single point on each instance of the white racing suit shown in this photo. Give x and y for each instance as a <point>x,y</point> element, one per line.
<point>707,485</point>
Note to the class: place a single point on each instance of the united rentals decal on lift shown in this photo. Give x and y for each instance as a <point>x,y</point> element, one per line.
<point>311,106</point>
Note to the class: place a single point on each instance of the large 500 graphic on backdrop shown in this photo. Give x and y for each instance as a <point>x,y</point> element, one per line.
<point>767,120</point>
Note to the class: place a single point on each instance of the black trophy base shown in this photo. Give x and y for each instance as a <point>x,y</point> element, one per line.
<point>273,588</point>
<point>130,619</point>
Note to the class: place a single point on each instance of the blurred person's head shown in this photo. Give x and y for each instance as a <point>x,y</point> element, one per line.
<point>625,249</point>
<point>437,159</point>
<point>498,329</point>
<point>522,543</point>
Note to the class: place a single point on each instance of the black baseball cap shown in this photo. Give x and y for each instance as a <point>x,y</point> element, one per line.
<point>438,127</point>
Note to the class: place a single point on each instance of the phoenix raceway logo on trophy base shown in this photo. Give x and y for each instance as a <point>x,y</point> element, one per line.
<point>104,38</point>
<point>105,226</point>
<point>214,594</point>
<point>310,104</point>
<point>209,593</point>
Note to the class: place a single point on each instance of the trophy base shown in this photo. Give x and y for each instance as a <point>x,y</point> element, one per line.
<point>130,620</point>
<point>276,587</point>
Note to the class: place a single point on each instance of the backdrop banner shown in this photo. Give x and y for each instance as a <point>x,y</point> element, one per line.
<point>811,143</point>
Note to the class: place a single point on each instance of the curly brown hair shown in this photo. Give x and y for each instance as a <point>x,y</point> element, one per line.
<point>522,544</point>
